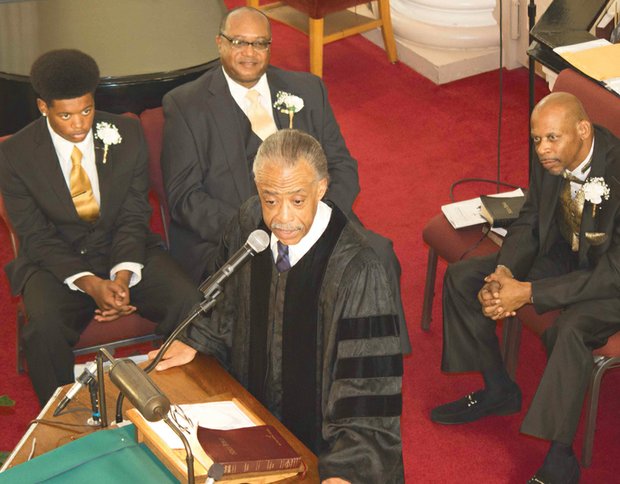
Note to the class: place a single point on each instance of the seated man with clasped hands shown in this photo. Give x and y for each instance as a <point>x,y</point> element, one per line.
<point>75,185</point>
<point>563,252</point>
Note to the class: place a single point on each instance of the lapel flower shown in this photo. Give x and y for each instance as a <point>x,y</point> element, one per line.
<point>109,135</point>
<point>595,190</point>
<point>288,103</point>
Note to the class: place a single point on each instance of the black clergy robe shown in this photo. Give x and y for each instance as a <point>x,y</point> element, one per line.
<point>318,345</point>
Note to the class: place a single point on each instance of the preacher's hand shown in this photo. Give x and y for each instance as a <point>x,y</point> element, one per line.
<point>178,354</point>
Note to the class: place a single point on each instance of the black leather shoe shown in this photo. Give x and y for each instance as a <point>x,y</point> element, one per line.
<point>569,474</point>
<point>477,405</point>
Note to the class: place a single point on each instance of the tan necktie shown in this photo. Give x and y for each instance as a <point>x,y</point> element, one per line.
<point>81,189</point>
<point>262,122</point>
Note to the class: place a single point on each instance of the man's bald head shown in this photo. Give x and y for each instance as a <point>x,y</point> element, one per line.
<point>561,131</point>
<point>245,12</point>
<point>568,103</point>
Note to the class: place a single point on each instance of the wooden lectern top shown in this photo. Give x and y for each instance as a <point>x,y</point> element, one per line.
<point>201,380</point>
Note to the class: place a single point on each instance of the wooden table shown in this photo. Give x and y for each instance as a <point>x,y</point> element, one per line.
<point>201,379</point>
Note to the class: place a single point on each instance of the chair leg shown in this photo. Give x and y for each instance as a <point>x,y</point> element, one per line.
<point>511,341</point>
<point>429,289</point>
<point>387,31</point>
<point>315,32</point>
<point>591,403</point>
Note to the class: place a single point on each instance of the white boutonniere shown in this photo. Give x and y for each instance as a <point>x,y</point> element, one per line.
<point>595,190</point>
<point>288,103</point>
<point>109,135</point>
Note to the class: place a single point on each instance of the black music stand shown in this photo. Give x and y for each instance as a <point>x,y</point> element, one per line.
<point>565,22</point>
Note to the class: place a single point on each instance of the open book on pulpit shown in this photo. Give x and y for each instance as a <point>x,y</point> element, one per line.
<point>223,431</point>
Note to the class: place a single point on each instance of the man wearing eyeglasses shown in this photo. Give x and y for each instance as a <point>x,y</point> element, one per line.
<point>214,126</point>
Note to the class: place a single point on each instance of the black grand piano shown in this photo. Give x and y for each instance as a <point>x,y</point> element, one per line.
<point>144,48</point>
<point>565,22</point>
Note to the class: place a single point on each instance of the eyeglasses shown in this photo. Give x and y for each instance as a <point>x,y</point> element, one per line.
<point>259,45</point>
<point>178,416</point>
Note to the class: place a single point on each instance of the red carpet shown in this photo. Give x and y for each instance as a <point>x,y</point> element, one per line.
<point>412,140</point>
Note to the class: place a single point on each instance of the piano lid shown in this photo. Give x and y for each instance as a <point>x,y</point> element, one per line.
<point>126,37</point>
<point>567,22</point>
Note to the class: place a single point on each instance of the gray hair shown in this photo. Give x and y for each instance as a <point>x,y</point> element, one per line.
<point>287,147</point>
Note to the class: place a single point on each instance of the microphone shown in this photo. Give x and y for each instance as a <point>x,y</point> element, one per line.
<point>132,381</point>
<point>216,471</point>
<point>257,242</point>
<point>90,372</point>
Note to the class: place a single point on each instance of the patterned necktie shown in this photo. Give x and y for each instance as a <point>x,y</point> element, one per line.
<point>81,189</point>
<point>571,213</point>
<point>283,263</point>
<point>262,123</point>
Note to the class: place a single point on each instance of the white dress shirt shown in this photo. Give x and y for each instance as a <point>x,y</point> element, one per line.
<point>239,92</point>
<point>580,173</point>
<point>64,148</point>
<point>301,248</point>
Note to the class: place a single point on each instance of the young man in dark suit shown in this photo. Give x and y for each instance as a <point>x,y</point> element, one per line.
<point>75,184</point>
<point>213,130</point>
<point>563,252</point>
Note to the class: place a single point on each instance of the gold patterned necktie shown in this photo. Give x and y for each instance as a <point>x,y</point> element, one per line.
<point>81,189</point>
<point>262,123</point>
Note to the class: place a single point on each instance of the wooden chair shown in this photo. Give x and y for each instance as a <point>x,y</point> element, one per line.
<point>127,330</point>
<point>321,32</point>
<point>604,109</point>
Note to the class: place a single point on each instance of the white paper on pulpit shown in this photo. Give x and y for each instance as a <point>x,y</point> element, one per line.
<point>220,415</point>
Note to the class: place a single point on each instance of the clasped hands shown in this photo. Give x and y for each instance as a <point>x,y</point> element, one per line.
<point>111,297</point>
<point>502,294</point>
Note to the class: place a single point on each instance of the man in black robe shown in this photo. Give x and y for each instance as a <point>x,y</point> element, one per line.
<point>310,327</point>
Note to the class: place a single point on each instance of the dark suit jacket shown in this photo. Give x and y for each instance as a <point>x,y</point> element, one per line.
<point>536,230</point>
<point>204,159</point>
<point>52,236</point>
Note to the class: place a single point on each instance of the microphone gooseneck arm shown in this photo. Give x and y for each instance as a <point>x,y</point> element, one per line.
<point>189,456</point>
<point>201,307</point>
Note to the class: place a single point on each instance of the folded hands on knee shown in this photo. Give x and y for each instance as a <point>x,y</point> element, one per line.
<point>502,294</point>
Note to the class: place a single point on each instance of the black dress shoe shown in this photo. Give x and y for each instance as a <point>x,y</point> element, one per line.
<point>567,474</point>
<point>477,405</point>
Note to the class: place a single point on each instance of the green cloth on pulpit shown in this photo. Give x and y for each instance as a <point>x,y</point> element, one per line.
<point>106,456</point>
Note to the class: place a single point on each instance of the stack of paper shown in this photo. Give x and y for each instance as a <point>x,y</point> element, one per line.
<point>467,213</point>
<point>598,59</point>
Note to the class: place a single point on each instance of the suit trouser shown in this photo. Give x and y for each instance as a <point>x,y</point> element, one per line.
<point>58,315</point>
<point>470,344</point>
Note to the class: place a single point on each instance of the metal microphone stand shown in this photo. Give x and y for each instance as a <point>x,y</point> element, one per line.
<point>531,15</point>
<point>129,383</point>
<point>93,388</point>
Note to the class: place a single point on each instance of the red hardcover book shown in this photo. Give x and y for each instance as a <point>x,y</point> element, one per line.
<point>248,449</point>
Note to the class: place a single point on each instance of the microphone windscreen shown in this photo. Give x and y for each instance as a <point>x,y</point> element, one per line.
<point>136,385</point>
<point>216,471</point>
<point>258,240</point>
